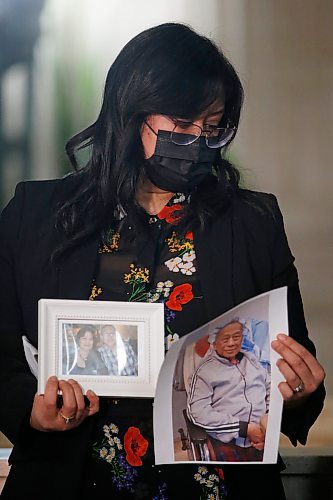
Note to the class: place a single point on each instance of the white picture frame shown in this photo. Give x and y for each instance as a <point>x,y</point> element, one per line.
<point>61,337</point>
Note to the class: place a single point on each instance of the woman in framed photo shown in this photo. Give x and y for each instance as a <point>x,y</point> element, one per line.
<point>156,214</point>
<point>88,360</point>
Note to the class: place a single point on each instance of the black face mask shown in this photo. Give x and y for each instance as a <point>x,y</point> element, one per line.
<point>177,168</point>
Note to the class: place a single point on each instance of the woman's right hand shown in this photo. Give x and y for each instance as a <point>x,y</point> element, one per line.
<point>46,416</point>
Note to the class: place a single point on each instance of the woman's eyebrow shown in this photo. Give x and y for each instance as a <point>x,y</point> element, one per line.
<point>218,112</point>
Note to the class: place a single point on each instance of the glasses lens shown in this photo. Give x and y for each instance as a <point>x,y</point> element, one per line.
<point>185,133</point>
<point>220,137</point>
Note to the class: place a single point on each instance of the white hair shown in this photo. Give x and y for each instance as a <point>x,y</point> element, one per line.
<point>213,334</point>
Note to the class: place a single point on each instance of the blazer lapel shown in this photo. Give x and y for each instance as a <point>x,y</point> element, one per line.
<point>214,252</point>
<point>69,279</point>
<point>77,271</point>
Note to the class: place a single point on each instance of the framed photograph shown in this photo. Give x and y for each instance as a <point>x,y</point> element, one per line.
<point>113,348</point>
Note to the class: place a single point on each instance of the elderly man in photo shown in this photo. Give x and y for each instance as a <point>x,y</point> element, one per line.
<point>118,356</point>
<point>229,392</point>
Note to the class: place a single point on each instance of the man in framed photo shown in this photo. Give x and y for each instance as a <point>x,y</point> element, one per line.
<point>118,355</point>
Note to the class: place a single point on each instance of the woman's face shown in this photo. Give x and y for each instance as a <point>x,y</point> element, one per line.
<point>87,341</point>
<point>212,116</point>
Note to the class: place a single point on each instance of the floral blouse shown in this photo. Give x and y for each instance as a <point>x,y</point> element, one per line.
<point>158,266</point>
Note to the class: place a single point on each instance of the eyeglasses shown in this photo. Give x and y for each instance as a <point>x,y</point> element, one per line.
<point>185,133</point>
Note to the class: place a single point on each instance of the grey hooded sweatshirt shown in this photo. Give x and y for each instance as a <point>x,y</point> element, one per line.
<point>225,397</point>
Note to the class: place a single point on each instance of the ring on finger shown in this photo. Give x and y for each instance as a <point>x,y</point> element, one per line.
<point>67,419</point>
<point>299,388</point>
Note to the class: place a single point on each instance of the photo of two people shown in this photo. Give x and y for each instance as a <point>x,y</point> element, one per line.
<point>99,349</point>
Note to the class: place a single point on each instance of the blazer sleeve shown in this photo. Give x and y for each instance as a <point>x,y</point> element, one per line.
<point>297,422</point>
<point>17,384</point>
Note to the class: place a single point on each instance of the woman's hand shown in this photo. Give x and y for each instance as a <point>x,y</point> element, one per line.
<point>45,414</point>
<point>302,372</point>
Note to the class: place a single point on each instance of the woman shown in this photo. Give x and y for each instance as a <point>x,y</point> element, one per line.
<point>155,215</point>
<point>88,361</point>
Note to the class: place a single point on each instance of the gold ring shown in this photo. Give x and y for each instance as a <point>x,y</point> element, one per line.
<point>67,419</point>
<point>299,388</point>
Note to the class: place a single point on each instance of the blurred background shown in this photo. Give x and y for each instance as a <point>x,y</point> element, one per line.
<point>54,55</point>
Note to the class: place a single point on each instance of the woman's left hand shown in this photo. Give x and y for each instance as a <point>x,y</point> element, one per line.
<point>301,370</point>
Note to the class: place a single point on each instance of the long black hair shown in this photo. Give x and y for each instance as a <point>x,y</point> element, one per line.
<point>168,69</point>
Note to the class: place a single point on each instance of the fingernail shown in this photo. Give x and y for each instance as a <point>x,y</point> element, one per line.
<point>282,336</point>
<point>53,378</point>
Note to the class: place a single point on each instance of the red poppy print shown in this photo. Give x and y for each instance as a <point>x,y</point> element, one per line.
<point>135,446</point>
<point>189,235</point>
<point>220,472</point>
<point>181,294</point>
<point>170,213</point>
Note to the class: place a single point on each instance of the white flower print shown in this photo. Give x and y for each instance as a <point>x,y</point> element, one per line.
<point>118,443</point>
<point>189,256</point>
<point>153,297</point>
<point>170,339</point>
<point>180,198</point>
<point>188,269</point>
<point>162,288</point>
<point>111,455</point>
<point>182,264</point>
<point>172,264</point>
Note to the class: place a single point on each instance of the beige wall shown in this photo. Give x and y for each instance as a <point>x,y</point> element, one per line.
<point>285,145</point>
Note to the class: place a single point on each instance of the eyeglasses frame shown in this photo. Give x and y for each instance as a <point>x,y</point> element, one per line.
<point>203,133</point>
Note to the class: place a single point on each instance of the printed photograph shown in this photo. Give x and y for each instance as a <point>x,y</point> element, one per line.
<point>99,349</point>
<point>217,398</point>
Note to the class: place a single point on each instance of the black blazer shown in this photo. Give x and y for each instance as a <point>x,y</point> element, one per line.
<point>243,253</point>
